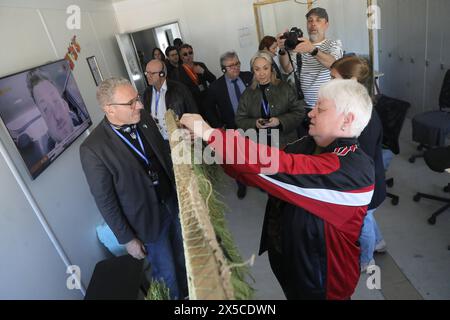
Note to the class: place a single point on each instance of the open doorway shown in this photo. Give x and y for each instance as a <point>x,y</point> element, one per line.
<point>137,47</point>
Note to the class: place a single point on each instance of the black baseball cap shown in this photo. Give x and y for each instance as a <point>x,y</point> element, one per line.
<point>320,12</point>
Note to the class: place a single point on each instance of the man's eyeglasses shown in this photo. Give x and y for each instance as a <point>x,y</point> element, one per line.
<point>234,65</point>
<point>131,104</point>
<point>190,53</point>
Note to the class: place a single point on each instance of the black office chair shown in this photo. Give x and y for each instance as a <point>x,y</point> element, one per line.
<point>431,128</point>
<point>437,159</point>
<point>392,114</point>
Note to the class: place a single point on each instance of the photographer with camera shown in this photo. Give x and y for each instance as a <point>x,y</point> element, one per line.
<point>309,59</point>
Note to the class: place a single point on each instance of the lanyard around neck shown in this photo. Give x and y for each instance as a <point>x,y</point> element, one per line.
<point>138,152</point>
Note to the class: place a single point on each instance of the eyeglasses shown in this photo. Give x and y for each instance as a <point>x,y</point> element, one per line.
<point>234,65</point>
<point>185,54</point>
<point>131,104</point>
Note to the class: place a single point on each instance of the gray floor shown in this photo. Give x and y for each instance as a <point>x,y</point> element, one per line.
<point>417,264</point>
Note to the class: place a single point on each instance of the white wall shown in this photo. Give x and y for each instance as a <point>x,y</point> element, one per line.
<point>210,26</point>
<point>30,266</point>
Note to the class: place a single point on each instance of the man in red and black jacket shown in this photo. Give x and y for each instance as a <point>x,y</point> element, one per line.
<point>322,191</point>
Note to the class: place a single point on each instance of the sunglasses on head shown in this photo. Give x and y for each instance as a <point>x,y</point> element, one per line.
<point>185,54</point>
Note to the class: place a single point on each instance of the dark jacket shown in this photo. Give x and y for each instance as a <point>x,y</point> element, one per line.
<point>205,80</point>
<point>123,191</point>
<point>371,141</point>
<point>284,105</point>
<point>178,98</point>
<point>217,105</point>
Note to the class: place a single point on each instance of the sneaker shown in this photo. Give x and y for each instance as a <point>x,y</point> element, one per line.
<point>364,266</point>
<point>242,191</point>
<point>380,247</point>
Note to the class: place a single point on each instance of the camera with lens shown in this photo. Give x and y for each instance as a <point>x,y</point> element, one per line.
<point>291,37</point>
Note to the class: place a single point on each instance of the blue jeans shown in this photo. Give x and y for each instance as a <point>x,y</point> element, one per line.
<point>370,236</point>
<point>166,254</point>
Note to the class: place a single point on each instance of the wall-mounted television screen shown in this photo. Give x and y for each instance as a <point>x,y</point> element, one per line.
<point>43,112</point>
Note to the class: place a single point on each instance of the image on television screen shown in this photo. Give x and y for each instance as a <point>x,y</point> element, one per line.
<point>43,111</point>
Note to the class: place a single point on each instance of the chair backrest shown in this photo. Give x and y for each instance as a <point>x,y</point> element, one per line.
<point>392,113</point>
<point>444,97</point>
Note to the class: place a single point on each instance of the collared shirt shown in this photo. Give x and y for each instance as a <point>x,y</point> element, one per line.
<point>232,93</point>
<point>159,109</point>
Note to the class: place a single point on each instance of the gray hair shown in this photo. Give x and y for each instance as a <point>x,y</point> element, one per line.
<point>349,96</point>
<point>107,89</point>
<point>227,55</point>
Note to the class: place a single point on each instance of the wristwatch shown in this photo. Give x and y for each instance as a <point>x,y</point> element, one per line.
<point>315,51</point>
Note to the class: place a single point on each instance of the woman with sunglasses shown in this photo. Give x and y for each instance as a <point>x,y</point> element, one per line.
<point>195,75</point>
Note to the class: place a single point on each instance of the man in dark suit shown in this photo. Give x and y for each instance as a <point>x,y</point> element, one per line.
<point>163,94</point>
<point>223,96</point>
<point>194,75</point>
<point>130,175</point>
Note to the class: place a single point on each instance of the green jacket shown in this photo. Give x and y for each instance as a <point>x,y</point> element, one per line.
<point>284,105</point>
